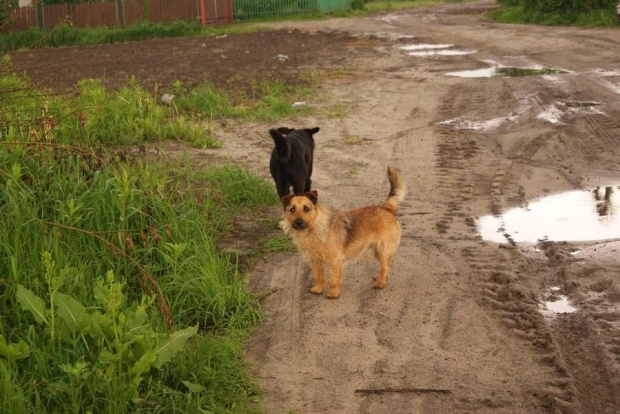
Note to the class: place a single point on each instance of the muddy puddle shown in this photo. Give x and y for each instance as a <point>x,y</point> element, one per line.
<point>581,215</point>
<point>557,304</point>
<point>426,49</point>
<point>507,71</point>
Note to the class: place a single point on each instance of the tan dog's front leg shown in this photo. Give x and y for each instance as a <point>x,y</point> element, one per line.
<point>319,278</point>
<point>335,280</point>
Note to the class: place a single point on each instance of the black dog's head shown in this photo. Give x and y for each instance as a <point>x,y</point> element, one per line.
<point>309,131</point>
<point>285,130</point>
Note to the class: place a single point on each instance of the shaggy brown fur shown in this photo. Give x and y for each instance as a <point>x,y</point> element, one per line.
<point>330,238</point>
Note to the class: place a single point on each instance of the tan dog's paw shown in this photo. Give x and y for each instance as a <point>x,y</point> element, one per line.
<point>316,290</point>
<point>379,285</point>
<point>333,294</point>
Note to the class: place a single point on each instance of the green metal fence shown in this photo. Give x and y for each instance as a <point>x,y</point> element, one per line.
<point>328,6</point>
<point>253,9</point>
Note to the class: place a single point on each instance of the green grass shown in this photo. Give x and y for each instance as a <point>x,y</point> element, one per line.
<point>266,101</point>
<point>149,221</point>
<point>278,244</point>
<point>101,250</point>
<point>592,18</point>
<point>133,115</point>
<point>64,35</point>
<point>377,6</point>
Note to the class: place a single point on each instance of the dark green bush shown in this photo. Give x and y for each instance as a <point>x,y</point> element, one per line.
<point>567,6</point>
<point>357,4</point>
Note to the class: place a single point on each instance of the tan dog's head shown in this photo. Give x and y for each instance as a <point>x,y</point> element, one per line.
<point>300,211</point>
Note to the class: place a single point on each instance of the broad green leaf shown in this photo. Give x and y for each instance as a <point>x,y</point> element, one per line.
<point>31,303</point>
<point>193,387</point>
<point>72,312</point>
<point>168,348</point>
<point>101,293</point>
<point>144,363</point>
<point>107,358</point>
<point>14,352</point>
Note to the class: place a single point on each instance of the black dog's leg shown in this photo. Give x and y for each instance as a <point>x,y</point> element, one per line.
<point>282,186</point>
<point>299,186</point>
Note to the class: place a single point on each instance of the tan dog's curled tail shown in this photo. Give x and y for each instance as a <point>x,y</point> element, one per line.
<point>397,191</point>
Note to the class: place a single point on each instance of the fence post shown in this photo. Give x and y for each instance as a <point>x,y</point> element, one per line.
<point>123,13</point>
<point>203,17</point>
<point>39,15</point>
<point>117,12</point>
<point>145,11</point>
<point>42,14</point>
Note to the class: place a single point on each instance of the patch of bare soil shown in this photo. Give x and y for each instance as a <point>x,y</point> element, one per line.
<point>234,61</point>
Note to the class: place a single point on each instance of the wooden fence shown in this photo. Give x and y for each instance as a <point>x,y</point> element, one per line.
<point>117,13</point>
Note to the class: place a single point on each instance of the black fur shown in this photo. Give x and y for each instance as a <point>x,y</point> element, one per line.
<point>291,159</point>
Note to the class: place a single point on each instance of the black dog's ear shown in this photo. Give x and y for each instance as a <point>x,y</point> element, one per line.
<point>314,130</point>
<point>313,196</point>
<point>287,199</point>
<point>285,130</point>
<point>275,134</point>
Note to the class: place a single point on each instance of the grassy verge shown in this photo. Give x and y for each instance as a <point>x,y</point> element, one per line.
<point>114,297</point>
<point>65,35</point>
<point>378,6</point>
<point>134,115</point>
<point>520,14</point>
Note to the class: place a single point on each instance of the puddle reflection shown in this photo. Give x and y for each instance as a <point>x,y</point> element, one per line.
<point>571,216</point>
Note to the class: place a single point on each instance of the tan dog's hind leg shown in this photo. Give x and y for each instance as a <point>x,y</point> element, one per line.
<point>319,278</point>
<point>384,256</point>
<point>335,280</point>
<point>381,280</point>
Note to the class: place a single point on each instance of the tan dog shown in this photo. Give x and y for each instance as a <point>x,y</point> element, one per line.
<point>330,238</point>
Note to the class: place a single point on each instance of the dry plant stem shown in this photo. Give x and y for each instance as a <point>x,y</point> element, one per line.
<point>163,307</point>
<point>36,66</point>
<point>59,146</point>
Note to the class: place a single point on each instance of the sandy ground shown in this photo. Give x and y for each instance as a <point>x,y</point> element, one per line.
<point>459,313</point>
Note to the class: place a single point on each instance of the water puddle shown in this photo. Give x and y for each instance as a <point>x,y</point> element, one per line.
<point>384,35</point>
<point>553,113</point>
<point>581,215</point>
<point>460,123</point>
<point>475,73</point>
<point>423,46</point>
<point>451,52</point>
<point>581,104</point>
<point>518,72</point>
<point>498,70</point>
<point>560,305</point>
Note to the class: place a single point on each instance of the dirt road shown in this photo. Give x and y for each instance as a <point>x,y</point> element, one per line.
<point>459,313</point>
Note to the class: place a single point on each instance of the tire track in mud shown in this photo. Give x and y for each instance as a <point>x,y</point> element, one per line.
<point>505,292</point>
<point>503,278</point>
<point>589,338</point>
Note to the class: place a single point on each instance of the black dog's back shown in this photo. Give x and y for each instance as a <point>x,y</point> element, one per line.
<point>292,158</point>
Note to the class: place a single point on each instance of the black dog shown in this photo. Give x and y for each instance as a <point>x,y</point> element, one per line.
<point>291,159</point>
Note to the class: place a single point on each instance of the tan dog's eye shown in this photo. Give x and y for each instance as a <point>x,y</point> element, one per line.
<point>292,209</point>
<point>306,209</point>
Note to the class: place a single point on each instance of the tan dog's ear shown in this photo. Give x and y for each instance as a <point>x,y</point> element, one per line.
<point>313,196</point>
<point>287,199</point>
